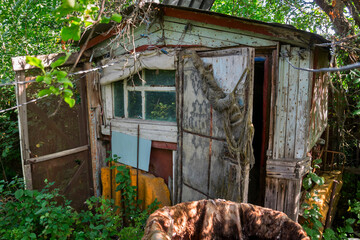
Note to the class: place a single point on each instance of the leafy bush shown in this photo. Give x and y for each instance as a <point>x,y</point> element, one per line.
<point>347,221</point>
<point>46,214</point>
<point>311,214</point>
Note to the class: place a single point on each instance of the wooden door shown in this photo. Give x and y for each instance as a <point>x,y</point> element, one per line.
<point>206,166</point>
<point>54,141</point>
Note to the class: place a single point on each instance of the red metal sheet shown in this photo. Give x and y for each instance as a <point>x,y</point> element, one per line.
<point>161,163</point>
<point>164,145</point>
<point>216,20</point>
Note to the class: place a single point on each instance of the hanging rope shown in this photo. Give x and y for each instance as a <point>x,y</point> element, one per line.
<point>238,127</point>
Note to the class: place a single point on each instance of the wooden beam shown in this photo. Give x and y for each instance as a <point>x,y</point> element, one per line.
<point>23,128</point>
<point>19,63</point>
<point>94,111</point>
<point>58,154</point>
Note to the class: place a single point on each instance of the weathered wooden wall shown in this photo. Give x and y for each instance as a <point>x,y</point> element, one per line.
<point>319,99</point>
<point>207,170</point>
<point>179,32</point>
<point>288,162</point>
<point>290,142</point>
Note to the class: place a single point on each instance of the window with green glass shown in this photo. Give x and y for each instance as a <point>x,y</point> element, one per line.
<point>149,94</point>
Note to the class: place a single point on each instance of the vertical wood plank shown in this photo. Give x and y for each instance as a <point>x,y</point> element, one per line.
<point>272,113</point>
<point>281,194</point>
<point>107,91</point>
<point>250,53</point>
<point>292,104</point>
<point>126,102</point>
<point>303,110</point>
<point>28,177</point>
<point>271,190</point>
<point>281,106</point>
<point>93,114</point>
<point>23,128</point>
<point>179,116</point>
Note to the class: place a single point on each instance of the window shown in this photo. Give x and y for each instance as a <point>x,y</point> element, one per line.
<point>152,98</point>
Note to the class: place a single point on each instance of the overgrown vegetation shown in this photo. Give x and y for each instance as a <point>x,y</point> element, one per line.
<point>48,26</point>
<point>347,222</point>
<point>311,213</point>
<point>46,214</point>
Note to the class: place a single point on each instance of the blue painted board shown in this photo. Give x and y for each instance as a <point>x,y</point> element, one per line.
<point>124,146</point>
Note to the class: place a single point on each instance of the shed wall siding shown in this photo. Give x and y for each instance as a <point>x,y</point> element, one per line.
<point>177,32</point>
<point>288,162</point>
<point>319,100</point>
<point>292,105</point>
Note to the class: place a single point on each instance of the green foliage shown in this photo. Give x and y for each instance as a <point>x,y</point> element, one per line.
<point>57,82</point>
<point>162,111</point>
<point>311,213</point>
<point>27,214</point>
<point>132,215</point>
<point>79,15</point>
<point>304,15</point>
<point>26,28</point>
<point>347,220</point>
<point>46,214</point>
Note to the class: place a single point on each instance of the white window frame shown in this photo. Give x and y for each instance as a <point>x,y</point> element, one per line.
<point>143,88</point>
<point>149,129</point>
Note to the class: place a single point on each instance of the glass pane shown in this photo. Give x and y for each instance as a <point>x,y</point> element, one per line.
<point>160,106</point>
<point>135,80</point>
<point>159,78</point>
<point>134,108</point>
<point>119,99</point>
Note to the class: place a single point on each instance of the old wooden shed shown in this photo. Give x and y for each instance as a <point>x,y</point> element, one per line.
<point>152,86</point>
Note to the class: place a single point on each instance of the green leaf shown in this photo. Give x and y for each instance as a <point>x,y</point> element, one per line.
<point>47,80</point>
<point>317,161</point>
<point>54,90</point>
<point>105,20</point>
<point>34,61</point>
<point>61,60</point>
<point>307,183</point>
<point>329,234</point>
<point>19,193</point>
<point>44,92</point>
<point>60,74</point>
<point>348,229</point>
<point>32,235</point>
<point>66,82</point>
<point>39,78</point>
<point>305,205</point>
<point>318,180</point>
<point>29,193</point>
<point>70,101</point>
<point>356,112</point>
<point>350,221</point>
<point>68,93</point>
<point>73,32</point>
<point>116,17</point>
<point>68,3</point>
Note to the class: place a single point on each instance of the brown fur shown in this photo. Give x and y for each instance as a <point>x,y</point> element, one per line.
<point>220,219</point>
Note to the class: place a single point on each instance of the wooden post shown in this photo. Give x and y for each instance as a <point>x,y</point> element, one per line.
<point>23,128</point>
<point>93,104</point>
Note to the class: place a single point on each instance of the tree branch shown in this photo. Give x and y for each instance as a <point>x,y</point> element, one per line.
<point>353,11</point>
<point>336,15</point>
<point>90,36</point>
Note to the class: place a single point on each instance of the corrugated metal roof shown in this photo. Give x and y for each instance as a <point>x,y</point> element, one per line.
<point>197,4</point>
